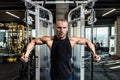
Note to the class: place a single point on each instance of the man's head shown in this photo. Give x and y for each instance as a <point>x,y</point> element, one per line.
<point>61,28</point>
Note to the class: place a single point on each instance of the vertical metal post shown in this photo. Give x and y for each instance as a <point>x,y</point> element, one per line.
<point>91,60</point>
<point>37,49</point>
<point>82,22</point>
<point>27,31</point>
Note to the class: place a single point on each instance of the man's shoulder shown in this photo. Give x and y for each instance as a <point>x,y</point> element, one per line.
<point>73,37</point>
<point>48,38</point>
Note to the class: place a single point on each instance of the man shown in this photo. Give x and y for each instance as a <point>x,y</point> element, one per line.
<point>61,50</point>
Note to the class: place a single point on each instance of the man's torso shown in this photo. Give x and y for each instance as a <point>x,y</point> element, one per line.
<point>61,53</point>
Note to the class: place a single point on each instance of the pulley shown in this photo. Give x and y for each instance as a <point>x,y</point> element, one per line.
<point>92,17</point>
<point>29,20</point>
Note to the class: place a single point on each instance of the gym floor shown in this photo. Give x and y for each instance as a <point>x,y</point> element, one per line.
<point>8,71</point>
<point>107,69</point>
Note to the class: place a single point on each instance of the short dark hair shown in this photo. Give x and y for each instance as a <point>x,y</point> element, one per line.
<point>63,20</point>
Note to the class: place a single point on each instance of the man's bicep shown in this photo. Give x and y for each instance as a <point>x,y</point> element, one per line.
<point>39,41</point>
<point>81,41</point>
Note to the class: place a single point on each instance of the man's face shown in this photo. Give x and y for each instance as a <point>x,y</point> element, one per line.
<point>61,29</point>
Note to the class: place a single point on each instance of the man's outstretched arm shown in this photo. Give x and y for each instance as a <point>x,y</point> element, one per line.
<point>30,47</point>
<point>90,46</point>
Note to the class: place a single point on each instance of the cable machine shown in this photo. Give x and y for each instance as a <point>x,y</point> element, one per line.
<point>76,28</point>
<point>43,26</point>
<point>77,22</point>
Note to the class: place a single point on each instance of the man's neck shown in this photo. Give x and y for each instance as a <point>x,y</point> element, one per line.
<point>61,38</point>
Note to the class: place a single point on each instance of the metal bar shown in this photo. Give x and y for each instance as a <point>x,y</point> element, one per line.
<point>82,51</point>
<point>91,61</point>
<point>58,2</point>
<point>32,12</point>
<point>62,2</point>
<point>40,7</point>
<point>43,19</point>
<point>74,20</point>
<point>28,75</point>
<point>69,14</point>
<point>49,12</point>
<point>29,1</point>
<point>37,48</point>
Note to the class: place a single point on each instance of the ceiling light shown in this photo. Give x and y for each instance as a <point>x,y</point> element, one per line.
<point>108,12</point>
<point>12,14</point>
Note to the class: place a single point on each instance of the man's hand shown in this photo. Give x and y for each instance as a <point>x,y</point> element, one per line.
<point>24,58</point>
<point>96,58</point>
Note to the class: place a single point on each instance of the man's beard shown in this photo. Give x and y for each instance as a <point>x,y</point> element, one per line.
<point>61,35</point>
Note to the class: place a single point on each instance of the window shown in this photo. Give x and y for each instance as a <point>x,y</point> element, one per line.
<point>100,35</point>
